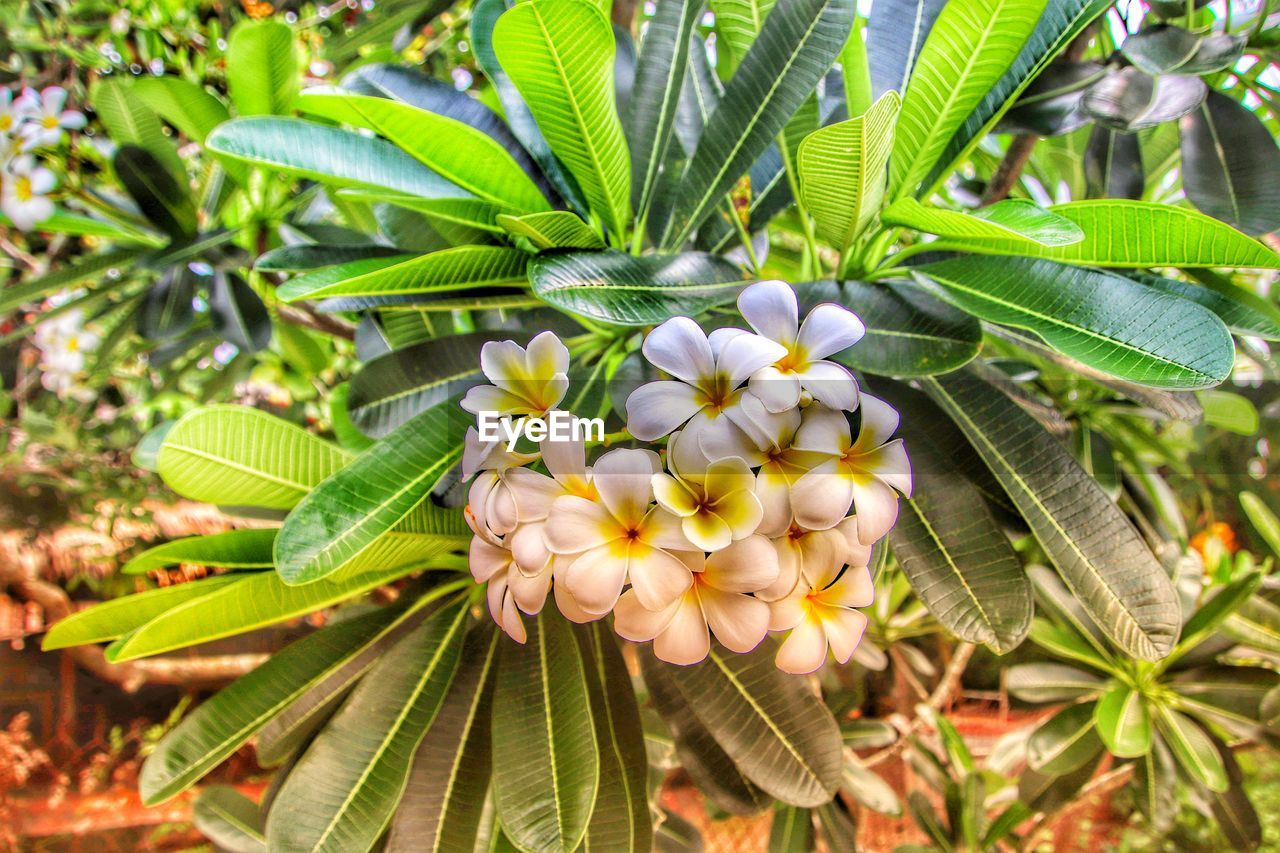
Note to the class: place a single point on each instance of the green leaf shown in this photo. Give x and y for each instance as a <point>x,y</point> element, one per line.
<point>956,556</point>
<point>620,819</point>
<point>791,831</point>
<point>1055,601</point>
<point>1124,722</point>
<point>341,158</point>
<point>1257,624</point>
<point>1102,320</point>
<point>634,291</point>
<point>559,54</point>
<point>262,67</point>
<point>776,730</point>
<point>896,32</point>
<point>855,73</point>
<point>1236,815</point>
<point>239,314</point>
<point>1263,520</point>
<point>1065,741</point>
<point>1096,549</point>
<point>543,739</point>
<point>347,512</point>
<point>1135,234</point>
<point>461,154</point>
<point>865,786</point>
<point>119,616</point>
<point>158,194</point>
<point>167,308</point>
<point>797,45</point>
<point>466,215</point>
<point>129,121</point>
<point>1050,682</point>
<point>229,819</point>
<point>363,755</point>
<point>1212,613</point>
<point>78,225</point>
<point>1011,220</point>
<point>235,549</point>
<point>972,43</point>
<point>1166,49</point>
<point>842,172</point>
<point>651,113</point>
<point>1244,312</point>
<point>86,268</point>
<point>444,796</point>
<point>738,25</point>
<point>909,333</point>
<point>242,456</point>
<point>1193,749</point>
<point>442,272</point>
<point>1230,165</point>
<point>556,229</point>
<point>310,256</point>
<point>1113,164</point>
<point>220,725</point>
<point>186,105</point>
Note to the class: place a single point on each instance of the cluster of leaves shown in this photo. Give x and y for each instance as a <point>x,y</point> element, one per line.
<point>608,192</point>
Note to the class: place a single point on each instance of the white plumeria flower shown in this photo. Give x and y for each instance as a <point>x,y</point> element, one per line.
<point>533,495</point>
<point>492,564</point>
<point>717,599</point>
<point>822,617</point>
<point>862,473</point>
<point>491,508</point>
<point>48,120</point>
<point>529,381</point>
<point>770,307</point>
<point>14,113</point>
<point>808,556</point>
<point>63,341</point>
<point>22,196</point>
<point>716,502</point>
<point>707,388</point>
<point>619,538</point>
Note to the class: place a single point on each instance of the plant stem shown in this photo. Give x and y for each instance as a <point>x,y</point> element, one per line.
<point>1010,168</point>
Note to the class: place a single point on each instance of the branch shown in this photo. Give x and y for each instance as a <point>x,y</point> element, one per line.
<point>942,694</point>
<point>302,315</point>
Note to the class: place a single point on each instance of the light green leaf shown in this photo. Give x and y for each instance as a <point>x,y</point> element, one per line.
<point>242,456</point>
<point>353,508</point>
<point>972,43</point>
<point>344,790</point>
<point>1232,412</point>
<point>1065,643</point>
<point>543,739</point>
<point>1193,750</point>
<point>1124,722</point>
<point>445,271</point>
<point>229,819</point>
<point>855,73</point>
<point>1065,741</point>
<point>129,121</point>
<point>1262,519</point>
<point>1096,549</point>
<point>738,25</point>
<point>791,830</point>
<point>469,213</point>
<point>1012,219</point>
<point>1102,320</point>
<point>1257,624</point>
<point>187,106</point>
<point>235,549</point>
<point>559,54</point>
<point>88,267</point>
<point>463,155</point>
<point>842,172</point>
<point>556,229</point>
<point>262,67</point>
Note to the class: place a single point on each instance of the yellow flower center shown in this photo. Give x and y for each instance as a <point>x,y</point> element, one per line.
<point>50,122</point>
<point>795,359</point>
<point>23,190</point>
<point>6,122</point>
<point>73,344</point>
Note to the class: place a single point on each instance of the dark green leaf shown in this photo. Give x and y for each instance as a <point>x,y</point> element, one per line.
<point>1166,49</point>
<point>1194,751</point>
<point>1231,166</point>
<point>556,229</point>
<point>896,31</point>
<point>238,312</point>
<point>444,272</point>
<point>235,549</point>
<point>230,820</point>
<point>1113,164</point>
<point>1132,100</point>
<point>167,309</point>
<point>1050,682</point>
<point>1235,813</point>
<point>792,830</point>
<point>161,198</point>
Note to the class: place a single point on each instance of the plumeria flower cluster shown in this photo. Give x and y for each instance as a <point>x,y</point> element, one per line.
<point>28,122</point>
<point>62,342</point>
<point>765,480</point>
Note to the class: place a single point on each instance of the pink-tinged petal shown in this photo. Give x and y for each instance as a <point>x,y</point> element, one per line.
<point>789,563</point>
<point>774,492</point>
<point>486,560</point>
<point>512,624</point>
<point>823,430</point>
<point>569,606</point>
<point>680,347</point>
<point>659,408</point>
<point>478,500</point>
<point>494,595</point>
<point>695,561</point>
<point>707,531</point>
<point>623,479</point>
<point>566,460</point>
<point>853,589</point>
<point>788,612</point>
<point>831,385</point>
<point>546,357</point>
<point>72,120</point>
<point>748,565</point>
<point>822,497</point>
<point>743,355</point>
<point>844,630</point>
<point>53,98</point>
<point>489,398</point>
<point>804,650</point>
<point>504,361</point>
<point>890,464</point>
<point>877,506</point>
<point>685,640</point>
<point>821,557</point>
<point>855,554</point>
<point>577,524</point>
<point>829,329</point>
<point>662,529</point>
<point>673,496</point>
<point>767,430</point>
<point>719,337</point>
<point>770,308</point>
<point>879,423</point>
<point>500,509</point>
<point>778,391</point>
<point>529,549</point>
<point>738,621</point>
<point>532,493</point>
<point>656,577</point>
<point>595,579</point>
<point>530,593</point>
<point>635,622</point>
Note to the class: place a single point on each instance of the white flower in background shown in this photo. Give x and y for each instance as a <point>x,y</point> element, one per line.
<point>821,617</point>
<point>14,112</point>
<point>63,341</point>
<point>862,474</point>
<point>717,599</point>
<point>707,388</point>
<point>619,538</point>
<point>529,381</point>
<point>46,118</point>
<point>22,196</point>
<point>770,307</point>
<point>716,502</point>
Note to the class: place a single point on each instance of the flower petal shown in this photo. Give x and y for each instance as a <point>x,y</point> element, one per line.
<point>680,347</point>
<point>623,479</point>
<point>778,391</point>
<point>844,630</point>
<point>532,493</point>
<point>877,506</point>
<point>566,460</point>
<point>773,489</point>
<point>577,524</point>
<point>685,640</point>
<point>853,589</point>
<point>659,408</point>
<point>822,497</point>
<point>529,549</point>
<point>743,355</point>
<point>673,496</point>
<point>504,361</point>
<point>546,357</point>
<point>828,329</point>
<point>767,430</point>
<point>490,398</point>
<point>789,563</point>
<point>855,554</point>
<point>721,336</point>
<point>728,475</point>
<point>770,308</point>
<point>633,621</point>
<point>879,422</point>
<point>662,529</point>
<point>748,565</point>
<point>567,604</point>
<point>823,430</point>
<point>486,560</point>
<point>741,511</point>
<point>889,463</point>
<point>707,531</point>
<point>738,621</point>
<point>657,577</point>
<point>831,385</point>
<point>804,650</point>
<point>595,579</point>
<point>530,593</point>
